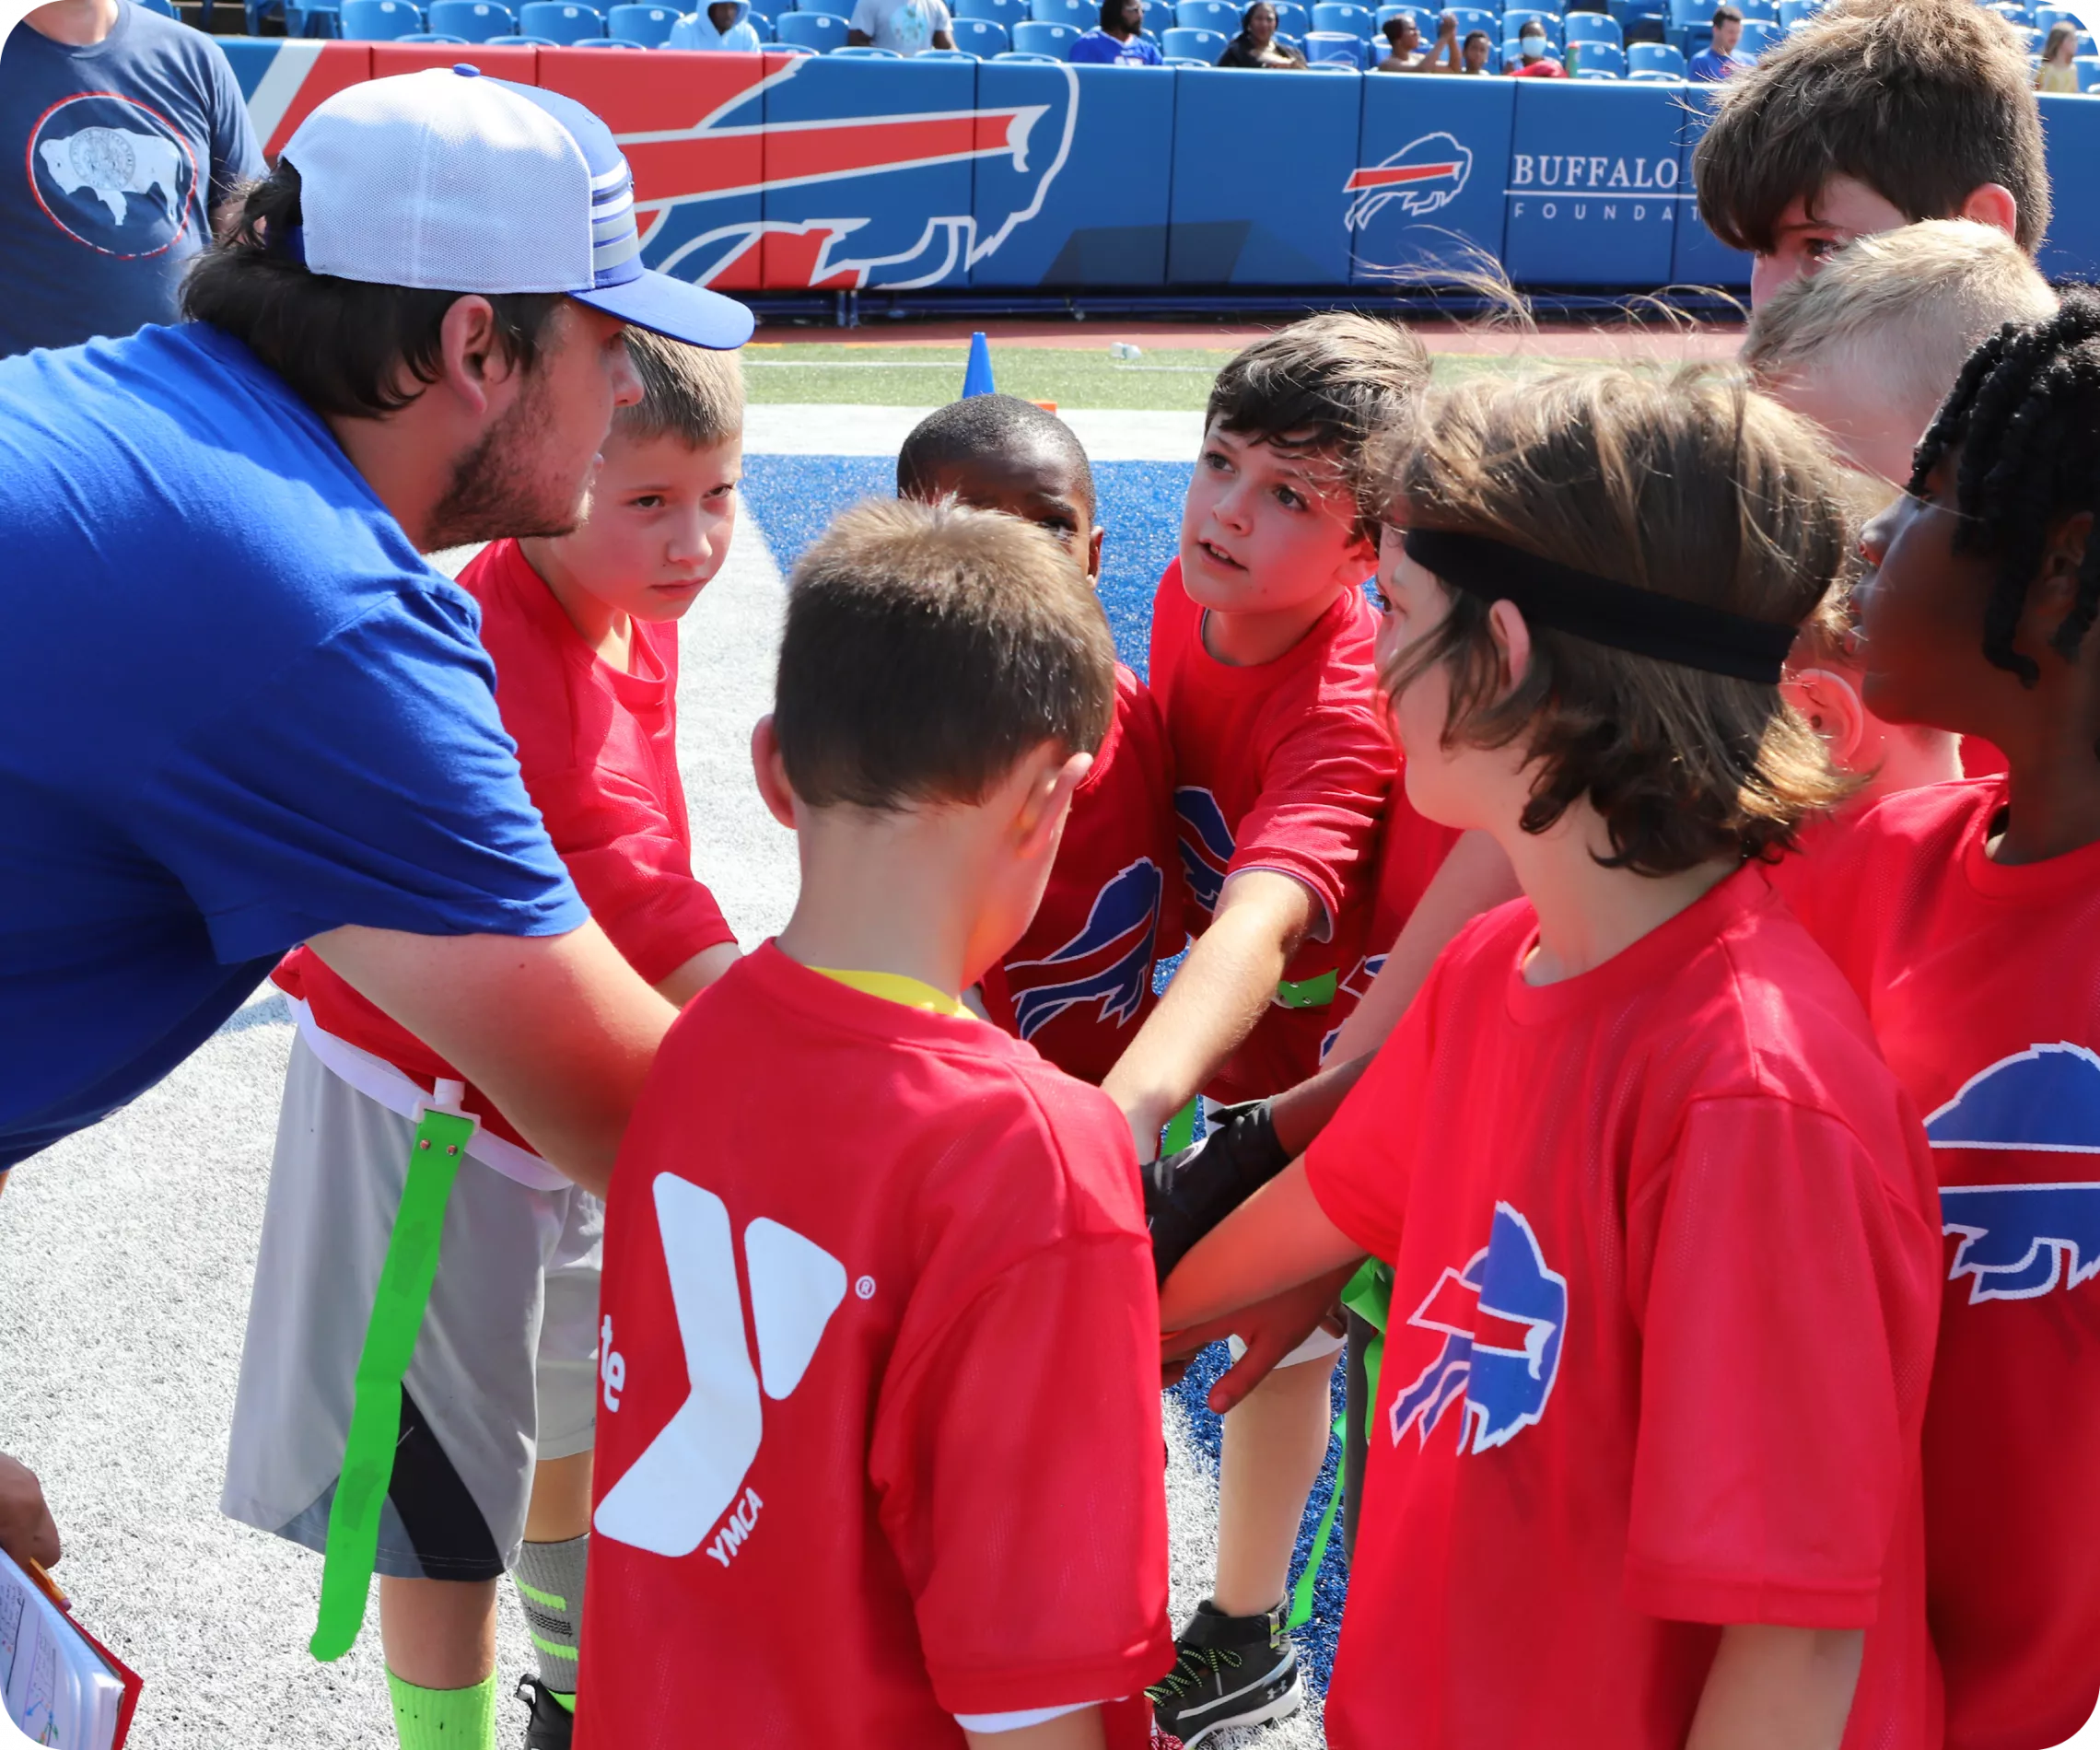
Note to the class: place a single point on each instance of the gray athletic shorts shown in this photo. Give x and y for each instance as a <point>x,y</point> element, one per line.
<point>505,1371</point>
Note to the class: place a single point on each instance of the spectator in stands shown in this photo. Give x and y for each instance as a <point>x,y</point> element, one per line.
<point>1117,41</point>
<point>1534,61</point>
<point>1474,57</point>
<point>724,26</point>
<point>1717,60</point>
<point>90,249</point>
<point>907,27</point>
<point>1406,46</point>
<point>1257,46</point>
<point>2058,71</point>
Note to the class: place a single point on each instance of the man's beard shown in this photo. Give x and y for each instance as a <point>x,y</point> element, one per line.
<point>494,492</point>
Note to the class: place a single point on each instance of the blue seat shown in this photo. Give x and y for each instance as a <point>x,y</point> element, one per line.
<point>981,36</point>
<point>1758,34</point>
<point>316,18</point>
<point>820,33</point>
<point>164,7</point>
<point>1597,61</point>
<point>1046,60</point>
<point>1793,12</point>
<point>380,20</point>
<point>1768,10</point>
<point>867,52</point>
<point>1592,27</point>
<point>1006,14</point>
<point>1159,14</point>
<point>1183,42</point>
<point>833,9</point>
<point>796,49</point>
<point>1075,13</point>
<point>2088,71</point>
<point>769,10</point>
<point>1655,61</point>
<point>1345,46</point>
<point>1516,18</point>
<point>1470,19</point>
<point>1339,16</point>
<point>434,36</point>
<point>1040,36</point>
<point>566,22</point>
<point>947,54</point>
<point>1208,15</point>
<point>1291,19</point>
<point>650,26</point>
<point>1342,67</point>
<point>1423,22</point>
<point>1640,19</point>
<point>522,42</point>
<point>477,21</point>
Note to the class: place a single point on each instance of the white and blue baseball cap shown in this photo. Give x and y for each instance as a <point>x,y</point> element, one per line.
<point>450,182</point>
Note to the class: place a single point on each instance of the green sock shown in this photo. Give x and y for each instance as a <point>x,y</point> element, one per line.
<point>444,1718</point>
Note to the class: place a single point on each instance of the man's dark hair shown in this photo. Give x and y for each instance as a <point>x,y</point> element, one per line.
<point>1725,15</point>
<point>928,649</point>
<point>982,425</point>
<point>1923,100</point>
<point>340,344</point>
<point>2023,413</point>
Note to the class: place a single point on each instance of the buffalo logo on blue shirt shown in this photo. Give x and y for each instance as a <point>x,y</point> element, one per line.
<point>2019,1242</point>
<point>112,174</point>
<point>1205,844</point>
<point>1503,1317</point>
<point>1421,177</point>
<point>1109,962</point>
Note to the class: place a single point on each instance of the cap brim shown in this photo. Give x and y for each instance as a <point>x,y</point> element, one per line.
<point>674,309</point>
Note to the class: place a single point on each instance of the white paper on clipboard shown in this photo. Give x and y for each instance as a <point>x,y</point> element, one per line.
<point>56,1689</point>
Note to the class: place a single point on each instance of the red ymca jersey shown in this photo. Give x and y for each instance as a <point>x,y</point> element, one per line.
<point>1664,1280</point>
<point>597,750</point>
<point>1982,981</point>
<point>1284,765</point>
<point>1078,984</point>
<point>948,1499</point>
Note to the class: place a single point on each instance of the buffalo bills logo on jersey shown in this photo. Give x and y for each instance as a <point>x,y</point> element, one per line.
<point>113,173</point>
<point>1205,844</point>
<point>2019,1241</point>
<point>1503,1317</point>
<point>1108,963</point>
<point>1421,177</point>
<point>1356,988</point>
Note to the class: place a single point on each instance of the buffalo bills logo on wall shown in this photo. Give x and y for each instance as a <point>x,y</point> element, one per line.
<point>1421,177</point>
<point>1109,962</point>
<point>1205,844</point>
<point>113,173</point>
<point>2019,1241</point>
<point>1503,1317</point>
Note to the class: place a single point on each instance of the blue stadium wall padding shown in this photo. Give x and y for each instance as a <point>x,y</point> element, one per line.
<point>1258,156</point>
<point>2070,130</point>
<point>1595,169</point>
<point>1424,192</point>
<point>867,173</point>
<point>1081,197</point>
<point>1702,258</point>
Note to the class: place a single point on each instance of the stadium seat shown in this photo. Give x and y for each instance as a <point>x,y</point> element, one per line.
<point>2088,71</point>
<point>980,36</point>
<point>1758,34</point>
<point>317,18</point>
<point>1330,16</point>
<point>947,54</point>
<point>380,20</point>
<point>1765,9</point>
<point>820,33</point>
<point>1159,14</point>
<point>866,51</point>
<point>1342,67</point>
<point>1469,19</point>
<point>562,20</point>
<point>1420,16</point>
<point>1208,15</point>
<point>1597,61</point>
<point>164,7</point>
<point>1185,42</point>
<point>793,48</point>
<point>1039,36</point>
<point>1793,12</point>
<point>1345,46</point>
<point>650,26</point>
<point>1006,14</point>
<point>830,8</point>
<point>1654,61</point>
<point>1291,19</point>
<point>769,10</point>
<point>610,42</point>
<point>1592,27</point>
<point>1516,18</point>
<point>477,21</point>
<point>434,36</point>
<point>1056,60</point>
<point>1080,14</point>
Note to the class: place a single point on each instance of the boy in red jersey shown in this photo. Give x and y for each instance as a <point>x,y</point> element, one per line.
<point>1645,1470</point>
<point>490,1465</point>
<point>1077,985</point>
<point>953,1480</point>
<point>1261,660</point>
<point>1966,915</point>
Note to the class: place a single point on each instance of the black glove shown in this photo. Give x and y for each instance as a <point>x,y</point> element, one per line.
<point>1188,1194</point>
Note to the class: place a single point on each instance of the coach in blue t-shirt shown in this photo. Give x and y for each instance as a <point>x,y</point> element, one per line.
<point>124,131</point>
<point>1115,41</point>
<point>237,710</point>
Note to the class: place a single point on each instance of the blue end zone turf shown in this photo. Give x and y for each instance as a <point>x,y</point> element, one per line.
<point>792,498</point>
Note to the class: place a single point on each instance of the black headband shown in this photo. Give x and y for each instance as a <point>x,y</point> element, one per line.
<point>1602,611</point>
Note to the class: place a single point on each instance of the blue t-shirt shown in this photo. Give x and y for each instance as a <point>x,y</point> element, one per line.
<point>236,709</point>
<point>114,155</point>
<point>1097,45</point>
<point>1709,68</point>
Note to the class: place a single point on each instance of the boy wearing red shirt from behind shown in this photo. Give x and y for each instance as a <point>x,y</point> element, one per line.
<point>932,1447</point>
<point>1077,985</point>
<point>1644,1471</point>
<point>1966,915</point>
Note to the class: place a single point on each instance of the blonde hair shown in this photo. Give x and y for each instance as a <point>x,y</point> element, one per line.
<point>1686,483</point>
<point>1908,305</point>
<point>692,393</point>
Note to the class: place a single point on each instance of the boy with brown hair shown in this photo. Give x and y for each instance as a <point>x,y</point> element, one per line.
<point>1878,113</point>
<point>482,1460</point>
<point>953,1480</point>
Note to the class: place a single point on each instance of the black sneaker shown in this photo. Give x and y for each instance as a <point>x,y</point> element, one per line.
<point>552,1725</point>
<point>1232,1671</point>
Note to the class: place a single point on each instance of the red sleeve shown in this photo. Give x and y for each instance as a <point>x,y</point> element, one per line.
<point>1323,791</point>
<point>1018,1459</point>
<point>630,863</point>
<point>1779,1289</point>
<point>1357,1167</point>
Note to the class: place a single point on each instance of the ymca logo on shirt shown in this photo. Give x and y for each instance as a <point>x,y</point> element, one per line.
<point>1205,843</point>
<point>2019,1242</point>
<point>1109,962</point>
<point>113,173</point>
<point>1501,1318</point>
<point>694,1469</point>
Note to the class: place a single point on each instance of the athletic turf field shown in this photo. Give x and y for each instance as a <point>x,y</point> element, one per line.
<point>130,1248</point>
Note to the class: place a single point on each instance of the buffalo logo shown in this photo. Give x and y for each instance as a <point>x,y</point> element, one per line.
<point>1503,1317</point>
<point>1356,986</point>
<point>1109,962</point>
<point>2019,1242</point>
<point>112,174</point>
<point>1423,177</point>
<point>1205,844</point>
